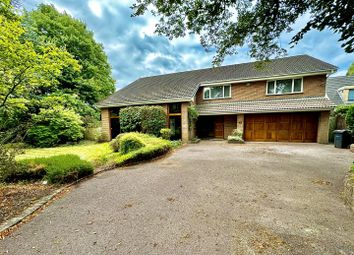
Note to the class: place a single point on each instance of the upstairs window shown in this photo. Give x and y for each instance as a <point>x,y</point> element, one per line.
<point>217,92</point>
<point>351,95</point>
<point>288,86</point>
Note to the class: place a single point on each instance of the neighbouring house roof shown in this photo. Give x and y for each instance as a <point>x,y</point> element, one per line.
<point>266,105</point>
<point>182,86</point>
<point>334,84</point>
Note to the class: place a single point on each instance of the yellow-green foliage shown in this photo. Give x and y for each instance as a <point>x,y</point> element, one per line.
<point>61,168</point>
<point>130,142</point>
<point>90,151</point>
<point>154,147</point>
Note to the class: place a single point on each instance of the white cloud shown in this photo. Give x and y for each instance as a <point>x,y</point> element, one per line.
<point>96,8</point>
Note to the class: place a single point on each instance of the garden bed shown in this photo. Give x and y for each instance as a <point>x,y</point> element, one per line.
<point>14,198</point>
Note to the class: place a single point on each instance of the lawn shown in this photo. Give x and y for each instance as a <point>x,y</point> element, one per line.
<point>90,151</point>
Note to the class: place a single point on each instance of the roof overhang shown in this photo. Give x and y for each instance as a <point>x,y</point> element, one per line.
<point>151,102</point>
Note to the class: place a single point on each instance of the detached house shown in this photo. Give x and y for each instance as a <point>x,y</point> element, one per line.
<point>285,99</point>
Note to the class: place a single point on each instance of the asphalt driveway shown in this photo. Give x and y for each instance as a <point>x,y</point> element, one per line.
<point>208,198</point>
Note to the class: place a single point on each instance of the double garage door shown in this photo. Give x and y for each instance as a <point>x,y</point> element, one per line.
<point>284,127</point>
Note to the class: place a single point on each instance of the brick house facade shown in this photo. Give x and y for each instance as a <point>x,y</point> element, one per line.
<point>287,100</point>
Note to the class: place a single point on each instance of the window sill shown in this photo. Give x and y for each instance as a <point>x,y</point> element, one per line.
<point>220,98</point>
<point>292,93</point>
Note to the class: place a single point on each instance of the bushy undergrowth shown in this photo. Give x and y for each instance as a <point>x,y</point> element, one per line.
<point>57,169</point>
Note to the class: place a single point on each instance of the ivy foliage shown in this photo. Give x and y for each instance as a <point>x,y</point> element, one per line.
<point>349,118</point>
<point>146,119</point>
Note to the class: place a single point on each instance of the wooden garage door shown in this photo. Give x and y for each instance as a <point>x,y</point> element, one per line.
<point>284,127</point>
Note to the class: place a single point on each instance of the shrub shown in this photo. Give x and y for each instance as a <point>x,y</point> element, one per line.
<point>130,142</point>
<point>115,143</point>
<point>235,137</point>
<point>153,119</point>
<point>61,168</point>
<point>146,119</point>
<point>130,119</point>
<point>154,147</point>
<point>349,118</point>
<point>166,133</point>
<point>9,168</point>
<point>55,126</point>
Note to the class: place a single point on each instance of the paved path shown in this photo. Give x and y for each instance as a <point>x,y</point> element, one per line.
<point>209,198</point>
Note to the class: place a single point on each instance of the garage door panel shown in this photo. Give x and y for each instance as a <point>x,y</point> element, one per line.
<point>285,127</point>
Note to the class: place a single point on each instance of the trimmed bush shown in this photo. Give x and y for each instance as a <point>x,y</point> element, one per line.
<point>153,119</point>
<point>55,126</point>
<point>153,147</point>
<point>146,119</point>
<point>166,133</point>
<point>130,119</point>
<point>60,169</point>
<point>130,142</point>
<point>115,143</point>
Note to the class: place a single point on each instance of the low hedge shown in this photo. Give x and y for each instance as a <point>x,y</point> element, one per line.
<point>130,142</point>
<point>58,169</point>
<point>153,147</point>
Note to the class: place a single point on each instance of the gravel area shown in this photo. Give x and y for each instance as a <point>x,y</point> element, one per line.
<point>206,198</point>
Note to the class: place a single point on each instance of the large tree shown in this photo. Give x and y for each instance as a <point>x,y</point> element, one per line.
<point>227,25</point>
<point>93,81</point>
<point>24,71</point>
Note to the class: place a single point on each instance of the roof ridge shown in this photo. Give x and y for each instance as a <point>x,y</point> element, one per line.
<point>218,67</point>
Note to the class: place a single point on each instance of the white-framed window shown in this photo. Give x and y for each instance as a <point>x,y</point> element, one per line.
<point>286,86</point>
<point>217,92</point>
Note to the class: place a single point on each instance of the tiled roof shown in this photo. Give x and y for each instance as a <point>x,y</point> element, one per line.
<point>264,106</point>
<point>335,83</point>
<point>179,87</point>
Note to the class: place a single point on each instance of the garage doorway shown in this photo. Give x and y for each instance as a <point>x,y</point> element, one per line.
<point>281,127</point>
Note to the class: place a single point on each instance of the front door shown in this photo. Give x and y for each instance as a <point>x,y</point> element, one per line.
<point>219,127</point>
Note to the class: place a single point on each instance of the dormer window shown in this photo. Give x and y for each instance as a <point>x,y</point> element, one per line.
<point>351,95</point>
<point>217,92</point>
<point>286,86</point>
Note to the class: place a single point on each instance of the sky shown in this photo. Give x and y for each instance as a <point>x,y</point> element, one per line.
<point>134,50</point>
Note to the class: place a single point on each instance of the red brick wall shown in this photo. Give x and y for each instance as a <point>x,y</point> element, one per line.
<point>313,86</point>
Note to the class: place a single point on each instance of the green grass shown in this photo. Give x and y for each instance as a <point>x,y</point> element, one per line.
<point>90,151</point>
<point>101,153</point>
<point>59,169</point>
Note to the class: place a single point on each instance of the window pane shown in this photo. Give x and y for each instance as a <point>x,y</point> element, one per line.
<point>216,92</point>
<point>297,85</point>
<point>206,93</point>
<point>175,108</point>
<point>284,86</point>
<point>227,91</point>
<point>351,95</point>
<point>270,87</point>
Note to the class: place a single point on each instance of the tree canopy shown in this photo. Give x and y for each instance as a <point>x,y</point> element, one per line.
<point>227,25</point>
<point>49,63</point>
<point>94,81</point>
